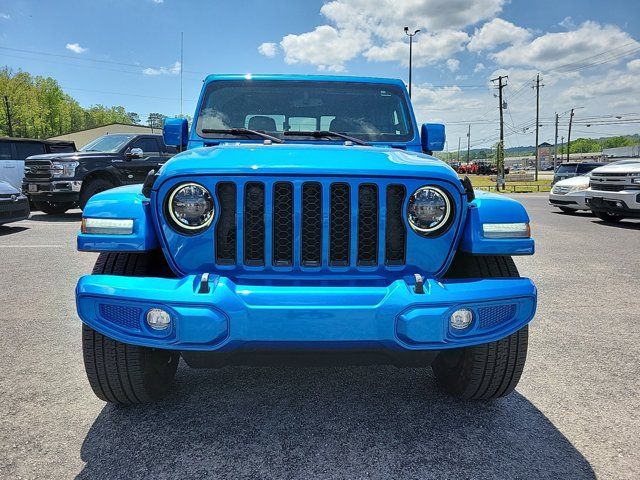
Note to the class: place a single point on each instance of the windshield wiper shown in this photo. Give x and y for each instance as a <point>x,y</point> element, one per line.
<point>326,133</point>
<point>243,132</point>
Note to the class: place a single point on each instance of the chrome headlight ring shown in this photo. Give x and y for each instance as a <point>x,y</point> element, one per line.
<point>429,211</point>
<point>190,208</point>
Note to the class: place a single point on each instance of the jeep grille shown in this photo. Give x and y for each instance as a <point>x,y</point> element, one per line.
<point>294,213</point>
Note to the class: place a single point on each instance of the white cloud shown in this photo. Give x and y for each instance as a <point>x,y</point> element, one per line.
<point>567,23</point>
<point>326,47</point>
<point>76,48</point>
<point>552,50</point>
<point>428,48</point>
<point>611,85</point>
<point>497,32</point>
<point>453,64</point>
<point>170,70</point>
<point>5,16</point>
<point>268,49</point>
<point>157,2</point>
<point>365,27</point>
<point>634,65</point>
<point>479,67</point>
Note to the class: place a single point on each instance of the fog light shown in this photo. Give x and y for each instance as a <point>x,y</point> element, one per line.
<point>461,319</point>
<point>158,319</point>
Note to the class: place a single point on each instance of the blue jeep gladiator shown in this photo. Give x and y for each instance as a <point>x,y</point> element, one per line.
<point>304,222</point>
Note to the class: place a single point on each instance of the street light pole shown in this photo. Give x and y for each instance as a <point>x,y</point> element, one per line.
<point>410,35</point>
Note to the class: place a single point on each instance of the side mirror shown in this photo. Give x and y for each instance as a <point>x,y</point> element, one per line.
<point>176,133</point>
<point>433,137</point>
<point>135,153</point>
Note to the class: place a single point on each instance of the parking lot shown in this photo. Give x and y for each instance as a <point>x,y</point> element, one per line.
<point>575,414</point>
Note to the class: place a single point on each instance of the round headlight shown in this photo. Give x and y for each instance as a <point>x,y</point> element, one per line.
<point>190,207</point>
<point>429,210</point>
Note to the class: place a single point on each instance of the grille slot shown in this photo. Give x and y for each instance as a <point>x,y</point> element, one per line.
<point>608,187</point>
<point>395,229</point>
<point>283,224</point>
<point>367,224</point>
<point>254,224</point>
<point>311,235</point>
<point>122,315</point>
<point>339,233</point>
<point>495,315</point>
<point>226,229</point>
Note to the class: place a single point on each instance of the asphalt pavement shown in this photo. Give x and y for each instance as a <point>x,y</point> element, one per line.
<point>575,414</point>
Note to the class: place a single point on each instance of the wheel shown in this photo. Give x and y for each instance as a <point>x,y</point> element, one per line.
<point>120,373</point>
<point>570,211</point>
<point>53,208</point>
<point>490,370</point>
<point>95,186</point>
<point>608,217</point>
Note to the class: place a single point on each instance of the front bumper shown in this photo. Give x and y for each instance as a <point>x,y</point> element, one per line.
<point>625,202</point>
<point>59,190</point>
<point>575,200</point>
<point>14,210</point>
<point>231,316</point>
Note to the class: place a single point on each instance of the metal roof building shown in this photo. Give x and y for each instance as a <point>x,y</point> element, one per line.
<point>82,137</point>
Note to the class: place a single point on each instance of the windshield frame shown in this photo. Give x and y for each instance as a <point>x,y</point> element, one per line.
<point>127,138</point>
<point>412,137</point>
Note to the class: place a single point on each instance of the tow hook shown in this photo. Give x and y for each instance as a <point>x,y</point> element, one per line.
<point>419,287</point>
<point>204,283</point>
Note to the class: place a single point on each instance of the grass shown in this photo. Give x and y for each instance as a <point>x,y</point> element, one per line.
<point>484,182</point>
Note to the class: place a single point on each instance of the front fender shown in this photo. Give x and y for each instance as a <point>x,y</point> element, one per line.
<point>494,208</point>
<point>123,203</point>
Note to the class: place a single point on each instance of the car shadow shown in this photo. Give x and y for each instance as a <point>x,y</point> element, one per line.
<point>9,230</point>
<point>351,422</point>
<point>624,224</point>
<point>63,217</point>
<point>578,213</point>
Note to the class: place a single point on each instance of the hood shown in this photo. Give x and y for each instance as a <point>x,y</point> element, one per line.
<point>326,160</point>
<point>8,189</point>
<point>573,181</point>
<point>621,169</point>
<point>72,156</point>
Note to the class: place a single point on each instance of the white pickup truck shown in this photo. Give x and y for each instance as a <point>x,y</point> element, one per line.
<point>614,191</point>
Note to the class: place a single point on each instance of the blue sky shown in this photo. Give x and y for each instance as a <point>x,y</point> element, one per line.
<point>463,43</point>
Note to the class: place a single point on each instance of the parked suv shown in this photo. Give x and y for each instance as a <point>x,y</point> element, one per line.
<point>614,191</point>
<point>307,222</point>
<point>573,169</point>
<point>59,181</point>
<point>13,152</point>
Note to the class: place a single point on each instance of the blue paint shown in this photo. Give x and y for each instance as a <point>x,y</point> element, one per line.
<point>295,306</point>
<point>494,208</point>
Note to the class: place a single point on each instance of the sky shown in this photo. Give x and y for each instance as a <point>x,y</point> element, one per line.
<point>127,52</point>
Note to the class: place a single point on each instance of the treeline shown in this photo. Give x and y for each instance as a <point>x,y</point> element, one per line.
<point>36,107</point>
<point>588,145</point>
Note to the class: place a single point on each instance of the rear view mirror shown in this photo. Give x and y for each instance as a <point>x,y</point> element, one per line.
<point>433,137</point>
<point>176,133</point>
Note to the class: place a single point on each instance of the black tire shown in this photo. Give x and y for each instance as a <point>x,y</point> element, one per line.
<point>608,217</point>
<point>120,373</point>
<point>490,370</point>
<point>53,208</point>
<point>95,186</point>
<point>569,211</point>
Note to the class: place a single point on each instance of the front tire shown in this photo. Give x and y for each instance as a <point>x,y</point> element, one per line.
<point>490,370</point>
<point>95,186</point>
<point>120,373</point>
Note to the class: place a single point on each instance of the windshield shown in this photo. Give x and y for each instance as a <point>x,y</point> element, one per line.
<point>567,169</point>
<point>107,143</point>
<point>367,111</point>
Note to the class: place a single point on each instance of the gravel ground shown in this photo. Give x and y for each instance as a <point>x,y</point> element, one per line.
<point>575,414</point>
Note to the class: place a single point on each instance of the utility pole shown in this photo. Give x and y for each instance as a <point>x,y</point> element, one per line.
<point>537,87</point>
<point>468,143</point>
<point>181,67</point>
<point>555,146</point>
<point>500,156</point>
<point>410,35</point>
<point>569,134</point>
<point>8,110</point>
<point>458,149</point>
<point>562,144</point>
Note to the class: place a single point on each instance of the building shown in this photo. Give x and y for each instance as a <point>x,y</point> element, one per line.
<point>621,153</point>
<point>82,137</point>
